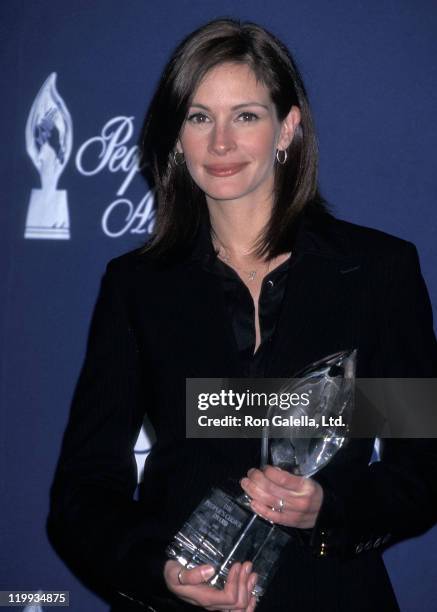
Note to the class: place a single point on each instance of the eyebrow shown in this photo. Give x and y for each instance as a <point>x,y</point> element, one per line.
<point>236,107</point>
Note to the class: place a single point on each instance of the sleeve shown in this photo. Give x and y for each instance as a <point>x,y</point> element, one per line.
<point>94,523</point>
<point>395,497</point>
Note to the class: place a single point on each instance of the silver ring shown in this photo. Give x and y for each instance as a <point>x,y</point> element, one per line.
<point>281,506</point>
<point>255,594</point>
<point>179,577</point>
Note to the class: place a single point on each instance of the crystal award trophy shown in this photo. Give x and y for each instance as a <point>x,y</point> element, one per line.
<point>223,529</point>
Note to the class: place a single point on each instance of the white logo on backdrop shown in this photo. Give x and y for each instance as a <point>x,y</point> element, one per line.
<point>49,139</point>
<point>110,150</point>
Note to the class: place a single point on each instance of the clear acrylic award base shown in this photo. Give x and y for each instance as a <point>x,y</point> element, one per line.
<point>222,531</point>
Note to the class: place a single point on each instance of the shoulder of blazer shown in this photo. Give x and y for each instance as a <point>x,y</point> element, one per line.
<point>136,273</point>
<point>367,240</point>
<point>126,266</point>
<point>328,236</point>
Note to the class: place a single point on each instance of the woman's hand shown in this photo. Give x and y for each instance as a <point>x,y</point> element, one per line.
<point>190,586</point>
<point>283,498</point>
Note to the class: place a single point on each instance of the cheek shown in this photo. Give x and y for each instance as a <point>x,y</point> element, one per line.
<point>192,147</point>
<point>191,141</point>
<point>264,146</point>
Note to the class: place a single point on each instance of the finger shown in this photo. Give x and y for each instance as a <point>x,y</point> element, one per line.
<point>269,496</point>
<point>231,586</point>
<point>210,598</point>
<point>272,496</point>
<point>243,594</point>
<point>224,599</point>
<point>195,576</point>
<point>250,606</point>
<point>253,578</point>
<point>257,483</point>
<point>243,581</point>
<point>297,484</point>
<point>258,487</point>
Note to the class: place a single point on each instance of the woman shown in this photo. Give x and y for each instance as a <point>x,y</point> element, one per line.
<point>247,275</point>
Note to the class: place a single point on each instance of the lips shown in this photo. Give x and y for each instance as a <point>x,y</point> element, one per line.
<point>225,169</point>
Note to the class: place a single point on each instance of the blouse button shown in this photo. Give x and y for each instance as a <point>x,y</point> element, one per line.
<point>270,284</point>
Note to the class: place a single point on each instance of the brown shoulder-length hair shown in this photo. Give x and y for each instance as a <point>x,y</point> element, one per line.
<point>181,204</point>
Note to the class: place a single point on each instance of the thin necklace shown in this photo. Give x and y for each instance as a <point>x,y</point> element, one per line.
<point>251,274</point>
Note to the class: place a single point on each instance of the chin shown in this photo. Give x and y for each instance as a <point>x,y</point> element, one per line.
<point>223,191</point>
<point>224,194</point>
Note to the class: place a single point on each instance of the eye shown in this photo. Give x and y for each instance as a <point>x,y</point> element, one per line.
<point>198,118</point>
<point>247,117</point>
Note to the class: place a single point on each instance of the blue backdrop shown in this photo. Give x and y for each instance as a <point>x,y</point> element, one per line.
<point>77,77</point>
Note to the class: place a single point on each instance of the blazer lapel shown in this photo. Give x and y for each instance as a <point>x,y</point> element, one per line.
<point>319,314</point>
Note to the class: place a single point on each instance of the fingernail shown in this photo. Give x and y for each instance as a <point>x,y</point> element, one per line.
<point>207,572</point>
<point>248,568</point>
<point>277,468</point>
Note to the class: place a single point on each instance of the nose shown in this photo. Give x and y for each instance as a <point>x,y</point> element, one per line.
<point>221,139</point>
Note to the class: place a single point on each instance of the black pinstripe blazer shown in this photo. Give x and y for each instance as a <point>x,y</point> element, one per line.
<point>154,325</point>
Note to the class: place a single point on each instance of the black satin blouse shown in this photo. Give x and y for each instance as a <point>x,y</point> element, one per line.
<point>241,310</point>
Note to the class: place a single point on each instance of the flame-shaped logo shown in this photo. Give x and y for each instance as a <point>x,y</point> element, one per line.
<point>49,140</point>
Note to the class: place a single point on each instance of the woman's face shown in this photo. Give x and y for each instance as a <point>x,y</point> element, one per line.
<point>231,134</point>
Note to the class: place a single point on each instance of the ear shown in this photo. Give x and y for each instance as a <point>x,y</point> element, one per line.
<point>178,146</point>
<point>288,127</point>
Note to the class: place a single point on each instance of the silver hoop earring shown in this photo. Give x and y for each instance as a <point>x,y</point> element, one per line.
<point>281,159</point>
<point>178,158</point>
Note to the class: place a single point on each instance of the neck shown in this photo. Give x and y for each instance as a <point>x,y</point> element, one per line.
<point>237,226</point>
